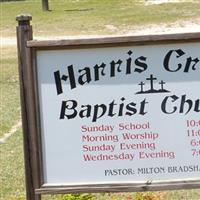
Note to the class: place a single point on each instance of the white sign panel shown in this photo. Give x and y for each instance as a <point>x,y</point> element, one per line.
<point>120,114</point>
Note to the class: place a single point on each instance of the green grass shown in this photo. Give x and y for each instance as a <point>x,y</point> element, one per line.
<point>12,168</point>
<point>183,195</point>
<point>71,17</point>
<point>9,84</point>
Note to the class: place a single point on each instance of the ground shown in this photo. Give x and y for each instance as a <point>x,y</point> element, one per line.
<point>176,27</point>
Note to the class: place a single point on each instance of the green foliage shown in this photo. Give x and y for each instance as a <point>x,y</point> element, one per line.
<point>84,196</point>
<point>149,196</point>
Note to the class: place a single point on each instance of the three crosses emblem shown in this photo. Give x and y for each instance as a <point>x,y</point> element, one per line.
<point>152,89</point>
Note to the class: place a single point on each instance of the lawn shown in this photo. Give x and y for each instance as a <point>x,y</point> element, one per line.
<point>69,17</point>
<point>9,82</point>
<point>75,17</point>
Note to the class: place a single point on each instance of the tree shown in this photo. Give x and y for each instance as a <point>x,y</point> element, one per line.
<point>45,5</point>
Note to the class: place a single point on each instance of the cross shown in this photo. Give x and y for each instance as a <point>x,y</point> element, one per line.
<point>162,83</point>
<point>142,84</point>
<point>151,79</point>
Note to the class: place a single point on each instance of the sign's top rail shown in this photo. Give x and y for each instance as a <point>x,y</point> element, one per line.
<point>116,40</point>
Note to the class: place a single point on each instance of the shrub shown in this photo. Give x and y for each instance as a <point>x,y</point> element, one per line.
<point>84,196</point>
<point>149,196</point>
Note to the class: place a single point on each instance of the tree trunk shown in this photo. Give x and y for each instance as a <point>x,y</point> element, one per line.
<point>45,5</point>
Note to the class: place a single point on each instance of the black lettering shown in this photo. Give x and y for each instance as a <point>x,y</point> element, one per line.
<point>97,109</point>
<point>185,101</point>
<point>97,71</point>
<point>58,82</point>
<point>85,112</point>
<point>142,107</point>
<point>128,63</point>
<point>111,108</point>
<point>71,76</point>
<point>65,106</point>
<point>121,107</point>
<point>165,103</point>
<point>131,110</point>
<point>189,62</point>
<point>112,67</point>
<point>143,66</point>
<point>86,74</point>
<point>168,58</point>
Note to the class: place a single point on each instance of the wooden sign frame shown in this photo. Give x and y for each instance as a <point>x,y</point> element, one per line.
<point>27,48</point>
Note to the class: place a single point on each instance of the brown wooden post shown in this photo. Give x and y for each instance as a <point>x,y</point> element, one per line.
<point>24,34</point>
<point>45,5</point>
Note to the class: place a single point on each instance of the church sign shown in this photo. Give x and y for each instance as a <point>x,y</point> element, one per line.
<point>117,114</point>
<point>130,113</point>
